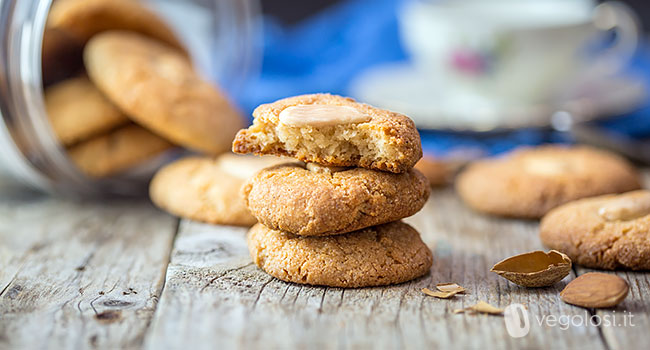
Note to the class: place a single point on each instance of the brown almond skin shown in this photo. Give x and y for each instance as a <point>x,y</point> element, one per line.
<point>595,290</point>
<point>557,266</point>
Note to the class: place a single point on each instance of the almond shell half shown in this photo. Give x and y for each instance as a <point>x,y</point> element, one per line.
<point>534,269</point>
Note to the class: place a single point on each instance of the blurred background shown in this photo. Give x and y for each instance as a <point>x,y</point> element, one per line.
<point>477,76</point>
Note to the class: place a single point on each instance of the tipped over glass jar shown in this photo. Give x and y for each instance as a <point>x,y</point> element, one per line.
<point>44,73</point>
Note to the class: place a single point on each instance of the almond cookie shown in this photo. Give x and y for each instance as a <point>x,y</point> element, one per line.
<point>208,190</point>
<point>332,130</point>
<point>529,182</point>
<point>117,151</point>
<point>376,256</point>
<point>85,18</point>
<point>316,200</point>
<point>438,172</point>
<point>606,232</point>
<point>78,111</point>
<point>157,87</point>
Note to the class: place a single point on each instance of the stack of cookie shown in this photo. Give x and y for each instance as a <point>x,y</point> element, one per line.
<point>140,94</point>
<point>335,219</point>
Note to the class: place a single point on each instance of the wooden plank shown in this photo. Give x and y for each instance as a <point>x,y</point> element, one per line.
<point>80,275</point>
<point>215,298</point>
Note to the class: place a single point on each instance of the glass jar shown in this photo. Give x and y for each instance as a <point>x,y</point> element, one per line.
<point>221,36</point>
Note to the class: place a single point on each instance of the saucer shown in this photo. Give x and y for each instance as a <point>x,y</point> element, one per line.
<point>402,88</point>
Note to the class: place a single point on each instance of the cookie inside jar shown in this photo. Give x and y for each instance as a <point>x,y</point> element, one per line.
<point>125,92</point>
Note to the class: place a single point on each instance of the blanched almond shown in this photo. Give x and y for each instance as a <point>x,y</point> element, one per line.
<point>627,206</point>
<point>321,115</point>
<point>545,166</point>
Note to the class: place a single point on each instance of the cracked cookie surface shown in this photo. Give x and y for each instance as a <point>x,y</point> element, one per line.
<point>293,199</point>
<point>604,232</point>
<point>375,139</point>
<point>528,182</point>
<point>380,255</point>
<point>157,87</point>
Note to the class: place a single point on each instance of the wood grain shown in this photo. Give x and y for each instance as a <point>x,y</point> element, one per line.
<point>215,298</point>
<point>89,275</point>
<point>80,275</point>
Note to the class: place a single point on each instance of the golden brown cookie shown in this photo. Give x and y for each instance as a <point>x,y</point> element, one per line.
<point>78,111</point>
<point>529,182</point>
<point>157,87</point>
<point>117,151</point>
<point>438,172</point>
<point>606,232</point>
<point>61,56</point>
<point>332,130</point>
<point>208,190</point>
<point>85,18</point>
<point>319,201</point>
<point>376,256</point>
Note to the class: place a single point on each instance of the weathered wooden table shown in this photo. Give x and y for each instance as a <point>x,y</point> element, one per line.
<point>125,275</point>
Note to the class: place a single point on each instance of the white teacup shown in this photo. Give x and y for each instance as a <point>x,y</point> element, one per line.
<point>520,51</point>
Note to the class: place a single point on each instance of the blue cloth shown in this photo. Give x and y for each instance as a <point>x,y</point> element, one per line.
<point>325,52</point>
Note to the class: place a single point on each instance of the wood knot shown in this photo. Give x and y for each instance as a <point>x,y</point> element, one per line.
<point>109,316</point>
<point>117,303</point>
<point>13,292</point>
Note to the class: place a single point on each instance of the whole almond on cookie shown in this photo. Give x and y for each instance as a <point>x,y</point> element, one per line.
<point>606,232</point>
<point>595,290</point>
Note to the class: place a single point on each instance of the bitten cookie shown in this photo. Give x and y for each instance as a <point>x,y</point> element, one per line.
<point>316,200</point>
<point>606,232</point>
<point>376,256</point>
<point>332,130</point>
<point>85,18</point>
<point>529,182</point>
<point>78,111</point>
<point>208,190</point>
<point>157,87</point>
<point>117,151</point>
